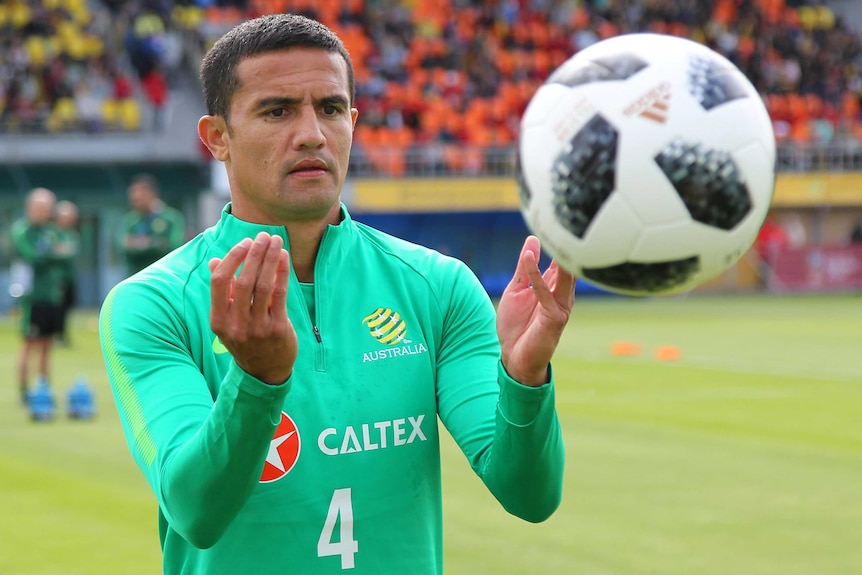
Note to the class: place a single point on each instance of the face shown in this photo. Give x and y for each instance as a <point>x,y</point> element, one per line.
<point>141,197</point>
<point>40,208</point>
<point>67,215</point>
<point>288,146</point>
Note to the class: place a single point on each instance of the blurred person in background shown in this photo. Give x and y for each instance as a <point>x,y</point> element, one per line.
<point>290,324</point>
<point>856,233</point>
<point>66,218</point>
<point>41,260</point>
<point>151,228</point>
<point>770,241</point>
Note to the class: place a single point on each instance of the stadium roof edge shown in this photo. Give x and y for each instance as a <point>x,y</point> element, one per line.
<point>103,147</point>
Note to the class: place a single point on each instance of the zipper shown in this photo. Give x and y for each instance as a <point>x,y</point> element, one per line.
<point>320,357</point>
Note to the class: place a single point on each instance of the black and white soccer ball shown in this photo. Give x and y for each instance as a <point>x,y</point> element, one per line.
<point>646,164</point>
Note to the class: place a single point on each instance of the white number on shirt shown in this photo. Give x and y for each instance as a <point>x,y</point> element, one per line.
<point>340,511</point>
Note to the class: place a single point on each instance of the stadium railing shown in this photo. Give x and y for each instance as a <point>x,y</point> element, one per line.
<point>440,160</point>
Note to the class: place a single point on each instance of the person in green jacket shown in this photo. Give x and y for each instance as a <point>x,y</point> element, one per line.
<point>280,377</point>
<point>38,275</point>
<point>66,219</point>
<point>151,228</point>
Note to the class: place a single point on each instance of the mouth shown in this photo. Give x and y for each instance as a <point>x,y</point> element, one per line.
<point>309,167</point>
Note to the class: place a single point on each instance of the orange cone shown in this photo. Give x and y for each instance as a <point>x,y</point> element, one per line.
<point>668,353</point>
<point>625,349</point>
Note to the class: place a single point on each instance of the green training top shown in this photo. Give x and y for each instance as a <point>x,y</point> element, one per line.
<point>69,244</point>
<point>152,236</point>
<point>339,467</point>
<point>40,261</point>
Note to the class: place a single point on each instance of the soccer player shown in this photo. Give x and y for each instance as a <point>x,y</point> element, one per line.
<point>66,218</point>
<point>40,260</point>
<point>151,228</point>
<point>280,377</point>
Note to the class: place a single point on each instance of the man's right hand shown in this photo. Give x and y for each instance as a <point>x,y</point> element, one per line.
<point>248,312</point>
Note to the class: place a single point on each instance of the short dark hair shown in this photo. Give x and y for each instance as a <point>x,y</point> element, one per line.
<point>148,180</point>
<point>258,36</point>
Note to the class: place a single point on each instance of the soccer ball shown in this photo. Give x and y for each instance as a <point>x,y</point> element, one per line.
<point>646,164</point>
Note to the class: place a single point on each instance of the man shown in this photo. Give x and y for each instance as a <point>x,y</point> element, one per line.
<point>39,263</point>
<point>151,229</point>
<point>66,217</point>
<point>280,377</point>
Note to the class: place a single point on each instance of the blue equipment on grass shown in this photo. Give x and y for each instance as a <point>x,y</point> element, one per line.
<point>79,400</point>
<point>41,401</point>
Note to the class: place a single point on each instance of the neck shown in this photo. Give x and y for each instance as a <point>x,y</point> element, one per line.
<point>304,243</point>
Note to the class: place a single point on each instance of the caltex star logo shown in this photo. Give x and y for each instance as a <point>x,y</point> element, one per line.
<point>283,451</point>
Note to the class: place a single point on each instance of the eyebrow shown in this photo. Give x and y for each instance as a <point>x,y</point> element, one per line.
<point>282,101</point>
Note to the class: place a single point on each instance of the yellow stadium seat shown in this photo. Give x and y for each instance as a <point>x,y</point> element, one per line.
<point>93,46</point>
<point>35,48</point>
<point>130,114</point>
<point>63,116</point>
<point>111,113</point>
<point>20,15</point>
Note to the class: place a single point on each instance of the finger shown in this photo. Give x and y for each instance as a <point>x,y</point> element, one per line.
<point>537,281</point>
<point>223,273</point>
<point>247,278</point>
<point>279,292</point>
<point>526,260</point>
<point>265,283</point>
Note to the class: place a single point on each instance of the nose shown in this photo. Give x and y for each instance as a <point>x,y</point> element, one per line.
<point>308,132</point>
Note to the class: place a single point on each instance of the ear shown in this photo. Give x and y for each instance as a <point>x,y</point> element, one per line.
<point>212,131</point>
<point>354,114</point>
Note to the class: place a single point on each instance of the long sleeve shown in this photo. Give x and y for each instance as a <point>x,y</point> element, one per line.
<point>30,244</point>
<point>202,457</point>
<point>525,468</point>
<point>177,233</point>
<point>509,432</point>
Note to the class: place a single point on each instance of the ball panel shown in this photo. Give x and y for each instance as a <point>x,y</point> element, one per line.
<point>712,84</point>
<point>757,161</point>
<point>584,174</point>
<point>708,182</point>
<point>645,278</point>
<point>583,71</point>
<point>549,102</point>
<point>614,233</point>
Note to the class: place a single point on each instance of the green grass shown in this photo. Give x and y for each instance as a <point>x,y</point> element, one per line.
<point>742,457</point>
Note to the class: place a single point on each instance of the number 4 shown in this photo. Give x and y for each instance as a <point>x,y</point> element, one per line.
<point>341,507</point>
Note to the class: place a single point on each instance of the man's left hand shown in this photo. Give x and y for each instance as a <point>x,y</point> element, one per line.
<point>532,314</point>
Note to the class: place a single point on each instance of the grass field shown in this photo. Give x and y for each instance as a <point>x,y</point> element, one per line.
<point>742,457</point>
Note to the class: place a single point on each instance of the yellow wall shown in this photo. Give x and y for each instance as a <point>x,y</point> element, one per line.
<point>811,189</point>
<point>501,194</point>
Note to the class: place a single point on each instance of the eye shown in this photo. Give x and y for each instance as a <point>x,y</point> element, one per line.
<point>331,110</point>
<point>276,112</point>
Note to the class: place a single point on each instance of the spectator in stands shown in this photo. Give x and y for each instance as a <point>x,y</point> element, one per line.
<point>151,228</point>
<point>69,240</point>
<point>155,88</point>
<point>856,233</point>
<point>38,273</point>
<point>462,77</point>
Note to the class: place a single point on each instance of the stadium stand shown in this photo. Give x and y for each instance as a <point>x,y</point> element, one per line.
<point>441,83</point>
